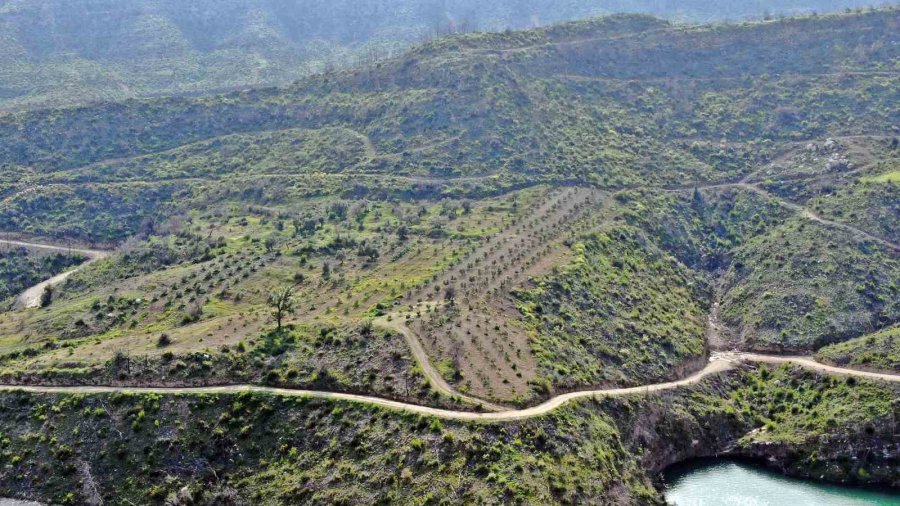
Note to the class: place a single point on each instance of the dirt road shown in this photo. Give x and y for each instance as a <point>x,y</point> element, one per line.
<point>808,214</point>
<point>718,363</point>
<point>434,378</point>
<point>806,362</point>
<point>31,297</point>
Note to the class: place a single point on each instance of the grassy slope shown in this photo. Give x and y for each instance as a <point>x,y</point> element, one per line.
<point>791,289</point>
<point>787,283</point>
<point>454,107</point>
<point>701,228</point>
<point>525,105</point>
<point>21,269</point>
<point>846,180</point>
<point>201,281</point>
<point>623,312</point>
<point>457,107</point>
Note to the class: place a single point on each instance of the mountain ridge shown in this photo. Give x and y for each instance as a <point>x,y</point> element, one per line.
<point>64,53</point>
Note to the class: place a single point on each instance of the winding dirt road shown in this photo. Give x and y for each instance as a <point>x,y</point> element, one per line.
<point>431,374</point>
<point>803,211</point>
<point>806,362</point>
<point>717,364</point>
<point>808,214</point>
<point>31,297</point>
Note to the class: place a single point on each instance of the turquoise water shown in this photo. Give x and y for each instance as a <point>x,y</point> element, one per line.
<point>718,482</point>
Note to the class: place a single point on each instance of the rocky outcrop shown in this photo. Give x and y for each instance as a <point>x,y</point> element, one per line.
<point>681,425</point>
<point>856,459</point>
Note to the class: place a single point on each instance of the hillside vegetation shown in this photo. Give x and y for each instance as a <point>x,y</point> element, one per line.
<point>257,449</point>
<point>22,268</point>
<point>878,351</point>
<point>622,313</point>
<point>662,112</point>
<point>68,52</point>
<point>483,222</point>
<point>546,210</point>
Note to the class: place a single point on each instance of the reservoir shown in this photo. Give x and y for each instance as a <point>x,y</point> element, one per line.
<point>723,482</point>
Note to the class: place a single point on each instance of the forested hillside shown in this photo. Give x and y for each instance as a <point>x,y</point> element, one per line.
<point>63,52</point>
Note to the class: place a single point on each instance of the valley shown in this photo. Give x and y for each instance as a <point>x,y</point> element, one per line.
<point>528,267</point>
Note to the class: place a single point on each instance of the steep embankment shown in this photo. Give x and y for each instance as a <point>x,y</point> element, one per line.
<point>718,364</point>
<point>878,351</point>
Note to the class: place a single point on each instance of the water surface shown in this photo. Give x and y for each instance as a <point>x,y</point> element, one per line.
<point>719,482</point>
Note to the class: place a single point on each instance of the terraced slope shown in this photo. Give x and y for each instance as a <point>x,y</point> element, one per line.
<point>468,323</point>
<point>378,189</point>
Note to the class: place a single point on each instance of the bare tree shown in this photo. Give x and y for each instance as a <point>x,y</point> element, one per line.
<point>282,303</point>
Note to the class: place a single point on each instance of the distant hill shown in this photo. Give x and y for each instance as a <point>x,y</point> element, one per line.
<point>65,52</point>
<point>596,99</point>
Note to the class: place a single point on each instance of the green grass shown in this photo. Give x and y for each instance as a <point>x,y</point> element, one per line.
<point>804,285</point>
<point>201,279</point>
<point>786,283</point>
<point>271,450</point>
<point>215,201</point>
<point>701,228</point>
<point>696,115</point>
<point>21,268</point>
<point>892,177</point>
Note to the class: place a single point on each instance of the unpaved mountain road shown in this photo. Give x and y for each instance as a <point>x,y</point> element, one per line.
<point>31,297</point>
<point>803,211</point>
<point>431,374</point>
<point>808,214</point>
<point>806,362</point>
<point>717,364</point>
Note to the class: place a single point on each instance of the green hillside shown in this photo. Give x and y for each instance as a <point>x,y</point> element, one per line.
<point>255,449</point>
<point>877,351</point>
<point>397,176</point>
<point>22,268</point>
<point>659,94</point>
<point>483,223</point>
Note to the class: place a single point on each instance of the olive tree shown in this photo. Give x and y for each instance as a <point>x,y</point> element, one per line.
<point>282,303</point>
